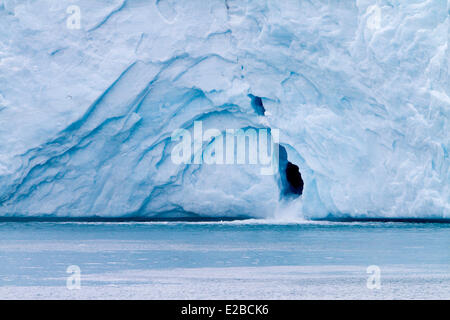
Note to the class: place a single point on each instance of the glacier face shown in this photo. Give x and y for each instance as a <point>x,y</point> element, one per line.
<point>360,91</point>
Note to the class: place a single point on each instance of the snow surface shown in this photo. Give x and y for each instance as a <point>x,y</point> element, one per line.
<point>360,91</point>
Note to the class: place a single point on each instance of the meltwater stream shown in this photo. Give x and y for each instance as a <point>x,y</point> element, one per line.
<point>247,259</point>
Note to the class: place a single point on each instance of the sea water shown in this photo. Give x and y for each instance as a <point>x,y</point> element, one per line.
<point>251,259</point>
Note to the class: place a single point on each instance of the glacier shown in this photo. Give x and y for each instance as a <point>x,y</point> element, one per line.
<point>359,90</point>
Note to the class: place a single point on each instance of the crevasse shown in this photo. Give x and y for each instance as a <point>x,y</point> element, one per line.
<point>360,91</point>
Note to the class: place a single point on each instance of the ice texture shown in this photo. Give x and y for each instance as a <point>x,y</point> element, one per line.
<point>360,91</point>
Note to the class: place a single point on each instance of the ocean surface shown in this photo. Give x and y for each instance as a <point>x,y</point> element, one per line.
<point>250,259</point>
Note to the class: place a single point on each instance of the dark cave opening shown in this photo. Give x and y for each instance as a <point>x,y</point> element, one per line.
<point>257,105</point>
<point>291,178</point>
<point>294,177</point>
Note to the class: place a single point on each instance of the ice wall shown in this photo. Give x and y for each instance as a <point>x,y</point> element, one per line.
<point>360,91</point>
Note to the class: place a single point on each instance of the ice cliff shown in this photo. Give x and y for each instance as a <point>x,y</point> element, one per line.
<point>360,91</point>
